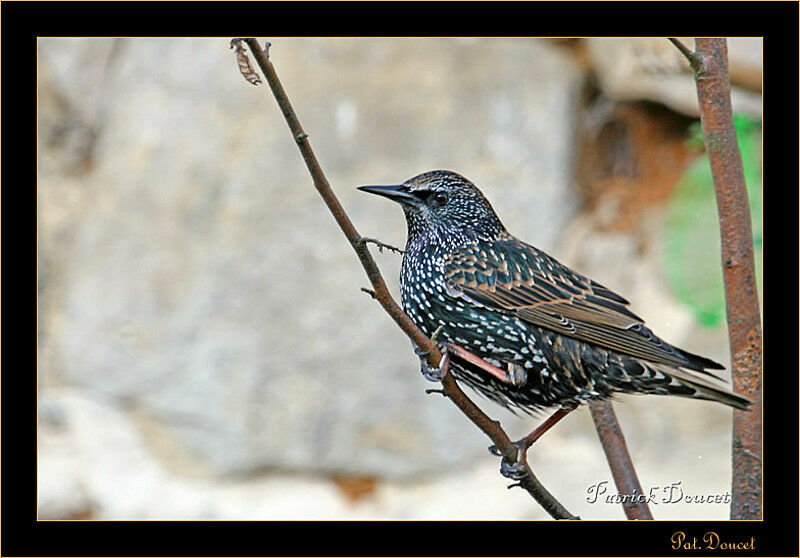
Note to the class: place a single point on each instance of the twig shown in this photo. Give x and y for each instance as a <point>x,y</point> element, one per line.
<point>695,58</point>
<point>741,293</point>
<point>683,48</point>
<point>382,293</point>
<point>381,245</point>
<point>370,292</point>
<point>450,388</point>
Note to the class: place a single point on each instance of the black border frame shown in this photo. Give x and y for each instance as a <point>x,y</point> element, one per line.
<point>23,22</point>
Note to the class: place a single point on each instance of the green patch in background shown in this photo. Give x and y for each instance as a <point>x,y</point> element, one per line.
<point>694,269</point>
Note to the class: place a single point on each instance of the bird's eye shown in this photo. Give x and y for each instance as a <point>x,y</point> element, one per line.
<point>440,198</point>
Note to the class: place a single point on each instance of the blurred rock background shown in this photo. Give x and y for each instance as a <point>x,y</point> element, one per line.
<point>204,349</point>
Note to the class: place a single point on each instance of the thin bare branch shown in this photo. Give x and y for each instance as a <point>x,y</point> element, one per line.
<point>381,293</point>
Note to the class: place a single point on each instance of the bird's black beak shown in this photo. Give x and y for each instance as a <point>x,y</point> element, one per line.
<point>397,193</point>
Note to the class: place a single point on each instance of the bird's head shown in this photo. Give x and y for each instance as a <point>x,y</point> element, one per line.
<point>445,204</point>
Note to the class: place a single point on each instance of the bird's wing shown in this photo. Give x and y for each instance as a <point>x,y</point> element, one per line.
<point>517,278</point>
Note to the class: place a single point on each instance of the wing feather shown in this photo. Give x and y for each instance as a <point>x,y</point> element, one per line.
<point>516,278</point>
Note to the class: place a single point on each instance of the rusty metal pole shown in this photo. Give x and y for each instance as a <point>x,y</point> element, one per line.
<point>710,63</point>
<point>619,460</point>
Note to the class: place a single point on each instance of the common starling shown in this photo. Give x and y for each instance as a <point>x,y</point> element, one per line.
<point>554,337</point>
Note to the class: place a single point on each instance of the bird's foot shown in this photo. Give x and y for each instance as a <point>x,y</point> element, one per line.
<point>429,372</point>
<point>519,469</point>
<point>433,374</point>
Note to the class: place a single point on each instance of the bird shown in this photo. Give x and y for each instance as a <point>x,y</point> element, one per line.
<point>544,335</point>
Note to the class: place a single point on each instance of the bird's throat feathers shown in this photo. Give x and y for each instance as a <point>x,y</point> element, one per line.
<point>425,232</point>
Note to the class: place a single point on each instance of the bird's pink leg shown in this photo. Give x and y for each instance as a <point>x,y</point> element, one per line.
<point>551,421</point>
<point>499,373</point>
<point>518,470</point>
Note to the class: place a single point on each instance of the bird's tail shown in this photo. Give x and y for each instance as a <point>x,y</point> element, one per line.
<point>704,387</point>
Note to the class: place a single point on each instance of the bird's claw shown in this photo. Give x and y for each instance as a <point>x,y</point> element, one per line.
<point>429,372</point>
<point>435,336</point>
<point>517,471</point>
